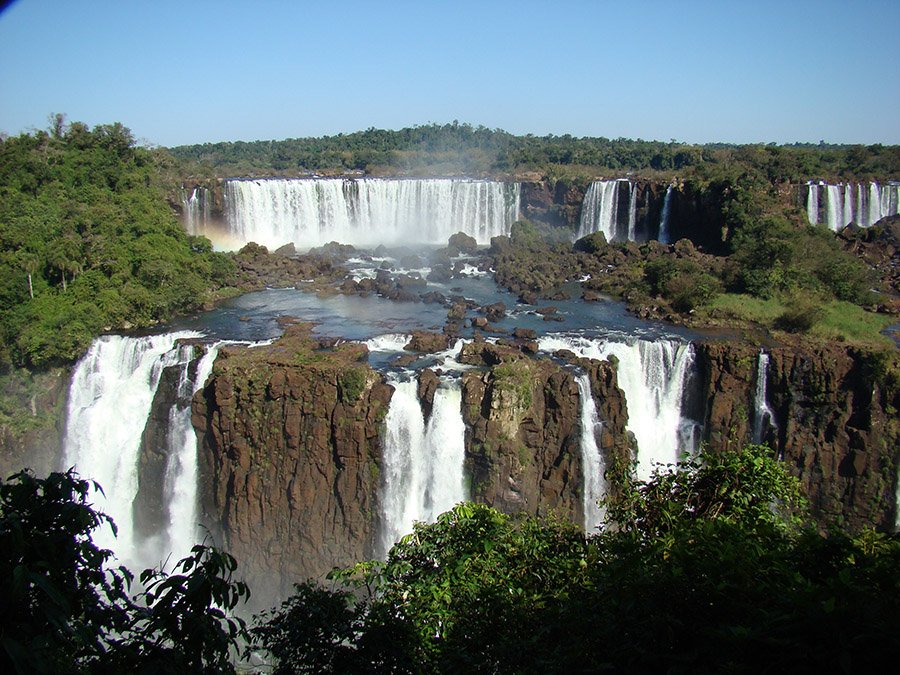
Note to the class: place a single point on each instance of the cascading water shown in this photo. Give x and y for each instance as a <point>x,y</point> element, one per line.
<point>422,464</point>
<point>592,462</point>
<point>862,204</point>
<point>311,212</point>
<point>110,396</point>
<point>664,217</point>
<point>652,374</point>
<point>599,210</point>
<point>180,489</point>
<point>763,417</point>
<point>196,210</point>
<point>632,211</point>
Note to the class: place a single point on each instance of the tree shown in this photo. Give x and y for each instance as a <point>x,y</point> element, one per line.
<point>706,567</point>
<point>63,609</point>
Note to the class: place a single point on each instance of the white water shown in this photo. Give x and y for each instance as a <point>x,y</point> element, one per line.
<point>312,212</point>
<point>652,375</point>
<point>180,489</point>
<point>664,217</point>
<point>863,204</point>
<point>592,462</point>
<point>390,342</point>
<point>422,465</point>
<point>196,210</point>
<point>632,211</point>
<point>763,417</point>
<point>110,396</point>
<point>599,210</point>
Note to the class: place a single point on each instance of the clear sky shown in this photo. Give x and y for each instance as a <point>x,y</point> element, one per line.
<point>196,71</point>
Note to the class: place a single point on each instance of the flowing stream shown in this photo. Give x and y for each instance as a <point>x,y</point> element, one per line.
<point>763,417</point>
<point>110,397</point>
<point>592,461</point>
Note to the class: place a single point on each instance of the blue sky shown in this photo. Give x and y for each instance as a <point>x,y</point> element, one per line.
<point>196,71</point>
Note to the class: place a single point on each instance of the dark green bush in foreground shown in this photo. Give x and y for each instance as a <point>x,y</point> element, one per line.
<point>64,610</point>
<point>706,569</point>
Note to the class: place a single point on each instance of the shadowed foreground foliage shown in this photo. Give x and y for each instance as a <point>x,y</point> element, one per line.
<point>709,568</point>
<point>63,610</point>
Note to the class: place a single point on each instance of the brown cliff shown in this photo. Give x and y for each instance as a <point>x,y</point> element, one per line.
<point>289,458</point>
<point>837,426</point>
<point>523,429</point>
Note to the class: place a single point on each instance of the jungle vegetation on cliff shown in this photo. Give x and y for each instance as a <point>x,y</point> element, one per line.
<point>463,148</point>
<point>88,242</point>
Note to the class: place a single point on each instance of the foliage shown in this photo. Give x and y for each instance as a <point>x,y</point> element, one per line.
<point>706,568</point>
<point>747,487</point>
<point>802,312</point>
<point>438,149</point>
<point>65,610</point>
<point>88,243</point>
<point>311,632</point>
<point>682,282</point>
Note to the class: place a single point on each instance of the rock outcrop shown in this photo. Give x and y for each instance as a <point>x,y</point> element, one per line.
<point>31,430</point>
<point>837,427</point>
<point>289,458</point>
<point>523,433</point>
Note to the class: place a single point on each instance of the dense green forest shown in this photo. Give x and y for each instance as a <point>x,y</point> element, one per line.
<point>711,568</point>
<point>88,242</point>
<point>463,148</point>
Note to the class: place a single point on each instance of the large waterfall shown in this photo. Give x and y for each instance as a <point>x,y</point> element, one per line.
<point>311,212</point>
<point>600,209</point>
<point>110,397</point>
<point>861,203</point>
<point>652,375</point>
<point>592,462</point>
<point>180,487</point>
<point>422,463</point>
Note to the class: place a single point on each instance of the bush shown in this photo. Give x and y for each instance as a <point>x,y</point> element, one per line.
<point>63,609</point>
<point>802,313</point>
<point>682,282</point>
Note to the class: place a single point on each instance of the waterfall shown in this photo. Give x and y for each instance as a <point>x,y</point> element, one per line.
<point>110,396</point>
<point>632,210</point>
<point>599,210</point>
<point>592,462</point>
<point>763,417</point>
<point>180,489</point>
<point>422,464</point>
<point>196,210</point>
<point>812,203</point>
<point>664,217</point>
<point>311,212</point>
<point>862,204</point>
<point>652,375</point>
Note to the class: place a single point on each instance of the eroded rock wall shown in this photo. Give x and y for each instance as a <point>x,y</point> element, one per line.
<point>523,429</point>
<point>837,427</point>
<point>289,458</point>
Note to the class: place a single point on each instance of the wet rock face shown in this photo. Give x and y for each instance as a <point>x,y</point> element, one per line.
<point>522,438</point>
<point>523,430</point>
<point>836,425</point>
<point>289,459</point>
